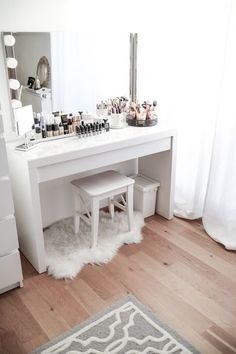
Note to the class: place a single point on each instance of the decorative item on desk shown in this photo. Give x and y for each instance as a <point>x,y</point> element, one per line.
<point>30,82</point>
<point>142,115</point>
<point>115,109</point>
<point>37,84</point>
<point>118,120</point>
<point>89,129</point>
<point>24,120</point>
<point>43,72</point>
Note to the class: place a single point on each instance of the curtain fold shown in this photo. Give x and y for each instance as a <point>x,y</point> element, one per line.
<point>87,67</point>
<point>219,216</point>
<point>184,73</point>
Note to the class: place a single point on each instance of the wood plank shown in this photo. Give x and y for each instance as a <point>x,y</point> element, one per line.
<point>9,343</point>
<point>53,292</point>
<point>162,249</point>
<point>193,297</point>
<point>104,286</point>
<point>205,286</point>
<point>185,277</point>
<point>83,293</point>
<point>51,322</point>
<point>207,257</point>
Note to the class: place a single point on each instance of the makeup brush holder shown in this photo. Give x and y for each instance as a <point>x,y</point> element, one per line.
<point>141,122</point>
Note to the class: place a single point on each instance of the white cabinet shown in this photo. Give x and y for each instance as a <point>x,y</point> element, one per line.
<point>10,264</point>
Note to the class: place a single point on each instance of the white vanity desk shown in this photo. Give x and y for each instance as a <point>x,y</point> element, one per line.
<point>48,168</point>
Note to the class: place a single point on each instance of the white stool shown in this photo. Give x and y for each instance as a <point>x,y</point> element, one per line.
<point>94,188</point>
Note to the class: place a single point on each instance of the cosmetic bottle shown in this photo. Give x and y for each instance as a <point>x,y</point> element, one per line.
<point>32,134</point>
<point>66,130</point>
<point>38,133</point>
<point>55,129</point>
<point>70,127</point>
<point>44,134</point>
<point>37,84</point>
<point>75,123</point>
<point>78,132</point>
<point>49,130</point>
<point>61,129</point>
<point>41,119</point>
<point>64,118</point>
<point>106,125</point>
<point>100,128</point>
<point>82,131</point>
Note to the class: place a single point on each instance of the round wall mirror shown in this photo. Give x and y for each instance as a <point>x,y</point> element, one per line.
<point>43,71</point>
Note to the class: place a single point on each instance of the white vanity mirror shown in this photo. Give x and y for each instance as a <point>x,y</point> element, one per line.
<point>70,71</point>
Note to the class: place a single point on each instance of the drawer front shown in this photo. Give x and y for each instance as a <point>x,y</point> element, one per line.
<point>10,270</point>
<point>6,201</point>
<point>8,236</point>
<point>3,158</point>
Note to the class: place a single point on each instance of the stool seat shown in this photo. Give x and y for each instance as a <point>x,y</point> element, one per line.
<point>102,183</point>
<point>89,191</point>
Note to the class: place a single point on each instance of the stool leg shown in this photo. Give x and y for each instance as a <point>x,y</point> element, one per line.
<point>111,208</point>
<point>129,206</point>
<point>94,221</point>
<point>76,213</point>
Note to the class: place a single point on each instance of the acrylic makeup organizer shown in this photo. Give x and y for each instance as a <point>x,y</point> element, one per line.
<point>141,122</point>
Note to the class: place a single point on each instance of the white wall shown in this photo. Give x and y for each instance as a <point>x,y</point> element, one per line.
<point>178,28</point>
<point>29,48</point>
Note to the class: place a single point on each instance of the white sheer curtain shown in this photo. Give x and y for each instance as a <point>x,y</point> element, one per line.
<point>192,73</point>
<point>219,217</point>
<point>180,64</point>
<point>88,66</point>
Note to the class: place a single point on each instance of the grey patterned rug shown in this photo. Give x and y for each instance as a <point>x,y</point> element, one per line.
<point>127,327</point>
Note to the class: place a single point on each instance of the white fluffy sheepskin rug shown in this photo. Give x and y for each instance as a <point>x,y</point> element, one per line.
<point>67,253</point>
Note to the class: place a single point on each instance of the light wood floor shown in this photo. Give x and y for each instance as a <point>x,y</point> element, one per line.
<point>186,278</point>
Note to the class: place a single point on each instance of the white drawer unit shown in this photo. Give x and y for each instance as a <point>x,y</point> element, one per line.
<point>10,271</point>
<point>3,154</point>
<point>8,236</point>
<point>6,201</point>
<point>10,264</point>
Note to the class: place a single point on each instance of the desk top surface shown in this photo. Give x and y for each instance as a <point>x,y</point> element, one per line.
<point>60,150</point>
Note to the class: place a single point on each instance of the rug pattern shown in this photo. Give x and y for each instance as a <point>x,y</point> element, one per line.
<point>128,328</point>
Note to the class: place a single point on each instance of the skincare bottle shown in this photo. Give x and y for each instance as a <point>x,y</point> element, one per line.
<point>37,84</point>
<point>70,127</point>
<point>32,134</point>
<point>44,134</point>
<point>74,123</point>
<point>61,129</point>
<point>66,130</point>
<point>49,130</point>
<point>64,118</point>
<point>55,129</point>
<point>106,125</point>
<point>38,133</point>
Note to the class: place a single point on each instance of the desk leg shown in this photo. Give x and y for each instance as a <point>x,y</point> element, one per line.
<point>161,167</point>
<point>28,212</point>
